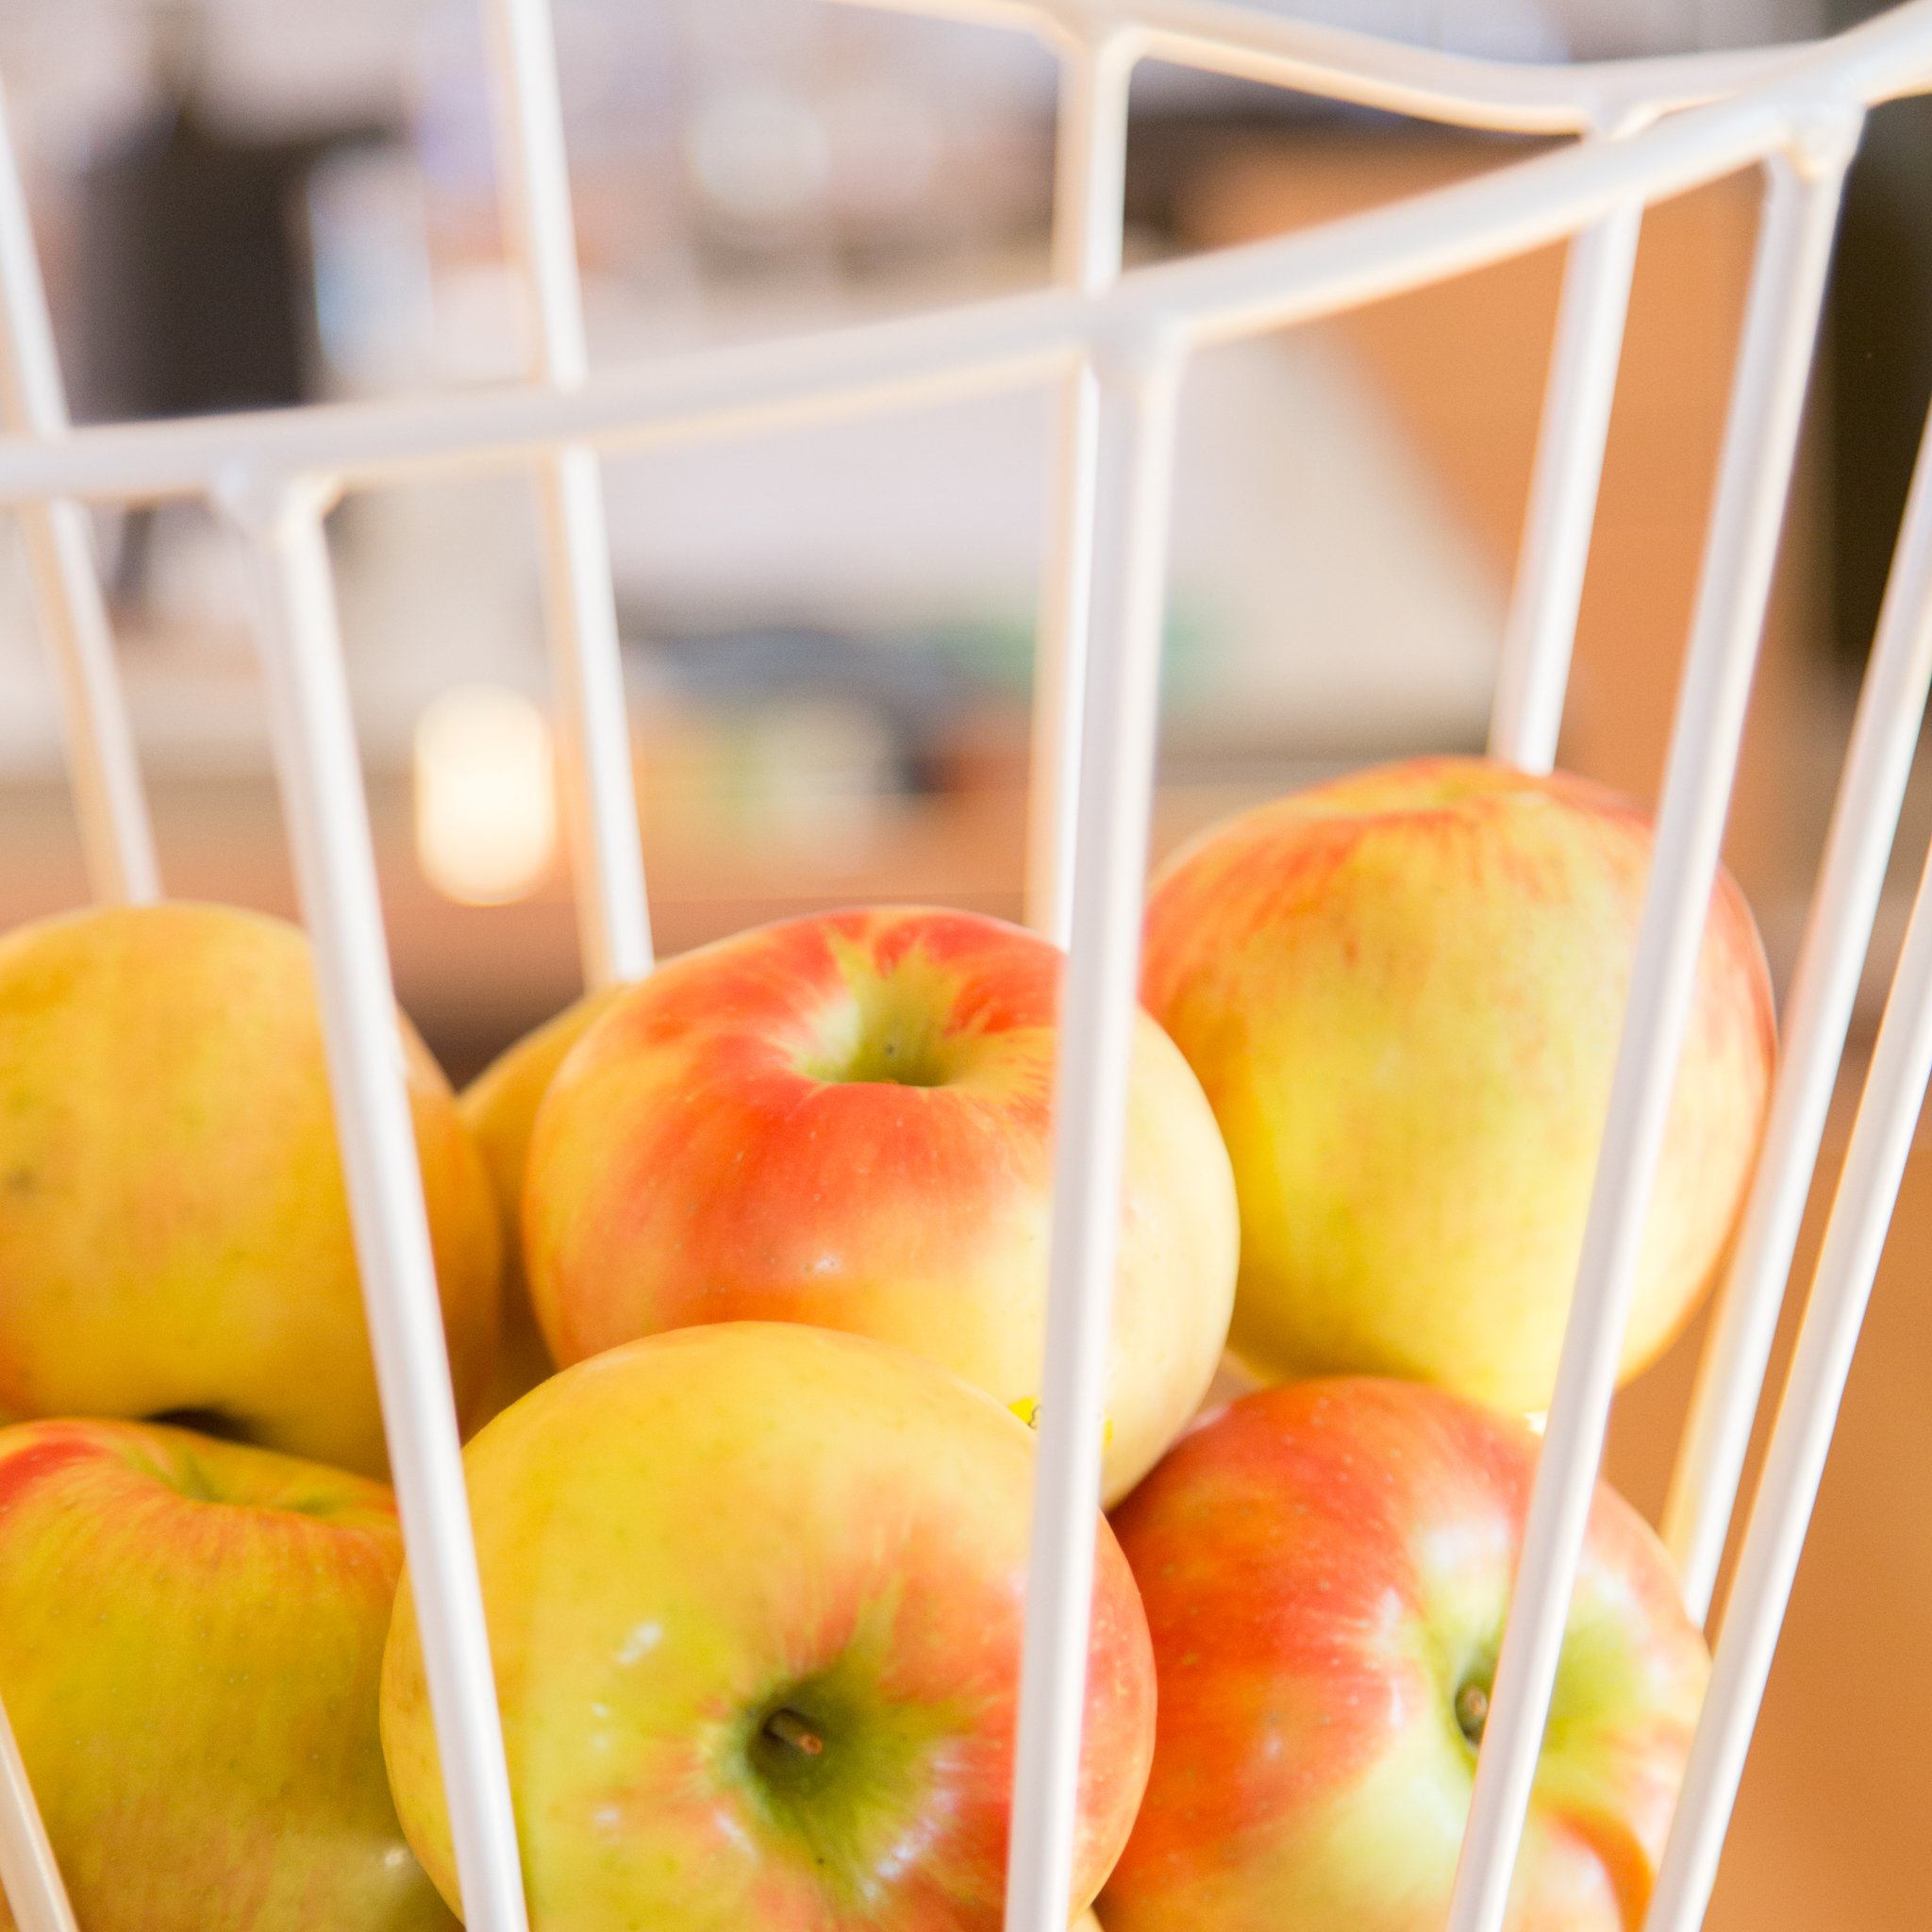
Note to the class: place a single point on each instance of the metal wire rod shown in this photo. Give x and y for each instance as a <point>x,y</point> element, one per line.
<point>1246,44</point>
<point>594,735</point>
<point>1788,287</point>
<point>1818,1011</point>
<point>715,394</point>
<point>1137,407</point>
<point>1541,629</point>
<point>1847,1265</point>
<point>1092,160</point>
<point>30,1873</point>
<point>115,834</point>
<point>335,871</point>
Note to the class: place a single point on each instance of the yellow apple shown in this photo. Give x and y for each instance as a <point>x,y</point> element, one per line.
<point>499,1107</point>
<point>754,1594</point>
<point>191,1646</point>
<point>1402,993</point>
<point>848,1121</point>
<point>175,1235</point>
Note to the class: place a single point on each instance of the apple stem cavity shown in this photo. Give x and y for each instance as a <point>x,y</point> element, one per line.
<point>1472,1709</point>
<point>788,1728</point>
<point>202,1422</point>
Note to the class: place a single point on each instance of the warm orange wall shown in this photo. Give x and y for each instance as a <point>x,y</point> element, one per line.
<point>1463,367</point>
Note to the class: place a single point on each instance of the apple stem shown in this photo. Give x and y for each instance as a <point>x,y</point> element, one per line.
<point>788,1728</point>
<point>1472,1710</point>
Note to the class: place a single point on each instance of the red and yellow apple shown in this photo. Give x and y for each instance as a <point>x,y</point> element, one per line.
<point>847,1121</point>
<point>191,1647</point>
<point>1326,1567</point>
<point>1402,993</point>
<point>499,1107</point>
<point>755,1600</point>
<point>174,1233</point>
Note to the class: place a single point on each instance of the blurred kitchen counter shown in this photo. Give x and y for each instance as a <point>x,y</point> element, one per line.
<point>474,978</point>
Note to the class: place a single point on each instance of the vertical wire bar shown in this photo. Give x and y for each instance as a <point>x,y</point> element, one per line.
<point>1541,629</point>
<point>115,834</point>
<point>335,870</point>
<point>1842,1289</point>
<point>29,1875</point>
<point>1781,323</point>
<point>1825,987</point>
<point>1136,445</point>
<point>580,607</point>
<point>1095,75</point>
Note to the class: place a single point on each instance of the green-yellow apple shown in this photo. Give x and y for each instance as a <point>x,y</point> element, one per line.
<point>175,1234</point>
<point>499,1107</point>
<point>847,1121</point>
<point>1402,993</point>
<point>755,1599</point>
<point>190,1649</point>
<point>1326,1568</point>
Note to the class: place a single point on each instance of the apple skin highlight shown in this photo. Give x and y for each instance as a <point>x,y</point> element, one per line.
<point>1402,993</point>
<point>705,1552</point>
<point>1326,1568</point>
<point>190,1643</point>
<point>846,1121</point>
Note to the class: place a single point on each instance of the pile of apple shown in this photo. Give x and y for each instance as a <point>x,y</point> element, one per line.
<point>748,1264</point>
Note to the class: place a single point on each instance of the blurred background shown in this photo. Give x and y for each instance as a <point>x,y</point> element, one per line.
<point>828,633</point>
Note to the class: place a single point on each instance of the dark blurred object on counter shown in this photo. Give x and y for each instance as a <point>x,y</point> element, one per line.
<point>195,283</point>
<point>1879,375</point>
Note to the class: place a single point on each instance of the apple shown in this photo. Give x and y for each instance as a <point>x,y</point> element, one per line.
<point>191,1648</point>
<point>847,1121</point>
<point>499,1107</point>
<point>1402,993</point>
<point>1326,1567</point>
<point>175,1234</point>
<point>755,1600</point>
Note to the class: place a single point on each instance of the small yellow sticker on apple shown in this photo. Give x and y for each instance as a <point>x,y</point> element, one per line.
<point>1027,1409</point>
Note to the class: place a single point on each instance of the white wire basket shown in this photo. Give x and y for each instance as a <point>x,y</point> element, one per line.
<point>1116,346</point>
